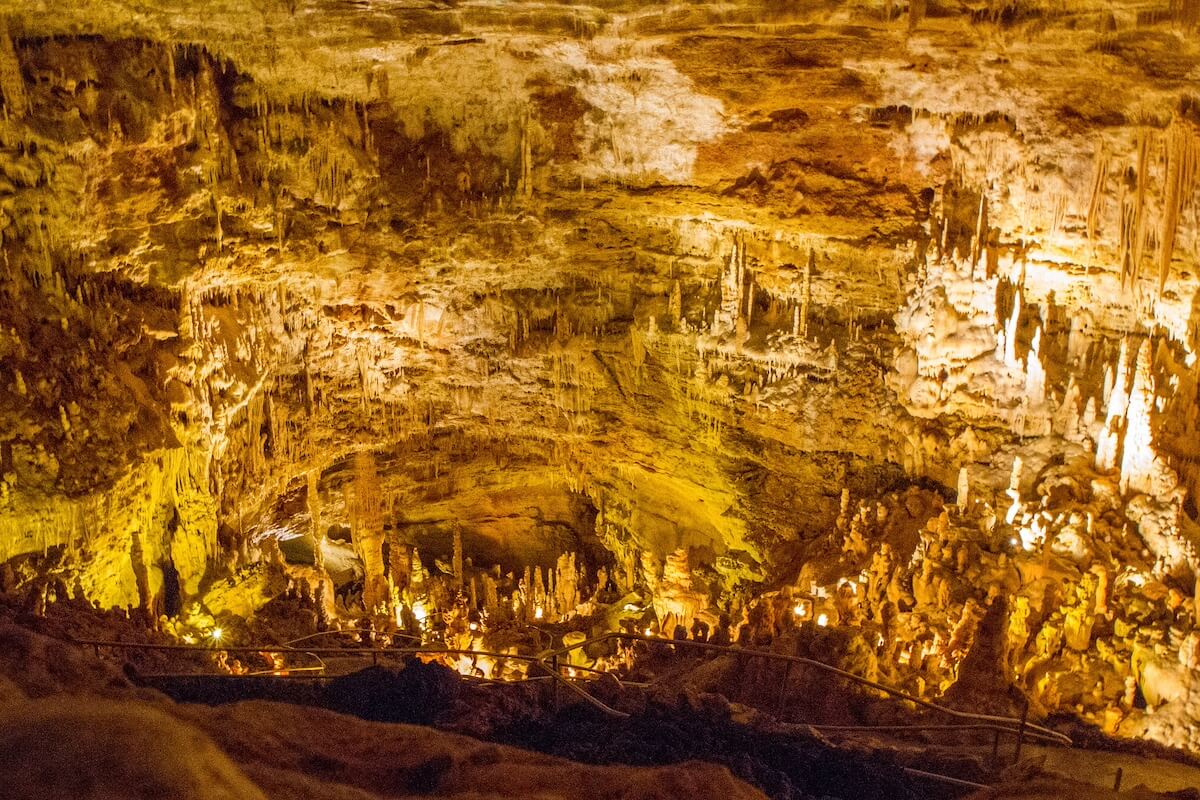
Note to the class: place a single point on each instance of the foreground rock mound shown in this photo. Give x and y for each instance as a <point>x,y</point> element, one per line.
<point>389,759</point>
<point>103,750</point>
<point>134,744</point>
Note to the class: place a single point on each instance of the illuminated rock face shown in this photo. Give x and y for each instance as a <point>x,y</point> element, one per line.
<point>630,283</point>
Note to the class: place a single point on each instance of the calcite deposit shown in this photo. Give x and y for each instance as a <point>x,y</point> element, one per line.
<point>449,322</point>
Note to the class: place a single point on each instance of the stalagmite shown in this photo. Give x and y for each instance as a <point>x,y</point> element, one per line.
<point>675,305</point>
<point>1137,449</point>
<point>1108,442</point>
<point>1014,491</point>
<point>1010,333</point>
<point>399,560</point>
<point>313,504</point>
<point>418,574</point>
<point>566,586</point>
<point>729,314</point>
<point>1035,373</point>
<point>368,531</point>
<point>457,560</point>
<point>491,595</point>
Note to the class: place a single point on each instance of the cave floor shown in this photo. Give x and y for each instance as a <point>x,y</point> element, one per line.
<point>1099,767</point>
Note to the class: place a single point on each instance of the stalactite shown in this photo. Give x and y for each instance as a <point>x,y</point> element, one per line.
<point>979,243</point>
<point>806,295</point>
<point>916,13</point>
<point>1181,182</point>
<point>12,83</point>
<point>1186,13</point>
<point>1132,238</point>
<point>1099,178</point>
<point>1058,212</point>
<point>525,182</point>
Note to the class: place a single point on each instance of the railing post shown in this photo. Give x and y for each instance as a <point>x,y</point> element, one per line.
<point>1021,731</point>
<point>996,747</point>
<point>554,681</point>
<point>1117,780</point>
<point>787,672</point>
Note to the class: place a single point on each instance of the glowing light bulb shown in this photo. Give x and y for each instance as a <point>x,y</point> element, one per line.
<point>649,632</point>
<point>216,634</point>
<point>798,610</point>
<point>473,626</point>
<point>419,611</point>
<point>537,613</point>
<point>822,620</point>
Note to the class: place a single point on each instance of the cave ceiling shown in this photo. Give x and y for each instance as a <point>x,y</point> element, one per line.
<point>633,277</point>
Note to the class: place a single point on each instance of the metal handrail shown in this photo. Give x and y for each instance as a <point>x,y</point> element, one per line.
<point>549,662</point>
<point>920,773</point>
<point>975,726</point>
<point>1025,726</point>
<point>998,724</point>
<point>215,648</point>
<point>323,651</point>
<point>349,630</point>
<point>373,652</point>
<point>306,676</point>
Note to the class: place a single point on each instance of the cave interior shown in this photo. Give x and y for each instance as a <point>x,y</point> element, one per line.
<point>784,398</point>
